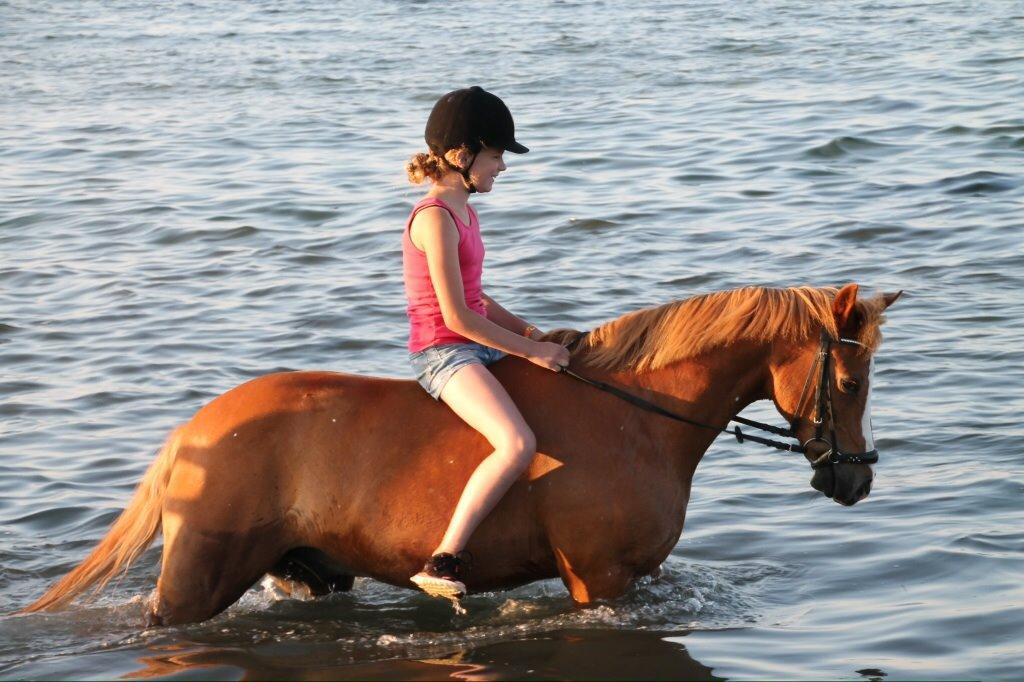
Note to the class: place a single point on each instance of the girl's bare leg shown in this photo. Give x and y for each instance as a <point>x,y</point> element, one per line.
<point>482,402</point>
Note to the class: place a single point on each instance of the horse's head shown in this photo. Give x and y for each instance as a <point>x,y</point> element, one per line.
<point>823,387</point>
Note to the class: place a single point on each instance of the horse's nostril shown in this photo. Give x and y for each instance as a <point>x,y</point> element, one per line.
<point>864,489</point>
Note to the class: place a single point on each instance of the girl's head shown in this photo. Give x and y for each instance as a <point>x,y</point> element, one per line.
<point>467,132</point>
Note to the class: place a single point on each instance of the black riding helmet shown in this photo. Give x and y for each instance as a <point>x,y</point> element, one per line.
<point>472,117</point>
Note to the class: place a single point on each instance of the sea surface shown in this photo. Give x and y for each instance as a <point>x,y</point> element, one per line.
<point>195,194</point>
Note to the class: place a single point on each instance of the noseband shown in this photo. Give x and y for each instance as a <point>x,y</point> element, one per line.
<point>822,408</point>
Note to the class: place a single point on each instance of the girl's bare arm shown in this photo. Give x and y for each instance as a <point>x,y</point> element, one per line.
<point>500,316</point>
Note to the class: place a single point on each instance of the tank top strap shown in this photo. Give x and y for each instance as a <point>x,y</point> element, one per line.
<point>434,201</point>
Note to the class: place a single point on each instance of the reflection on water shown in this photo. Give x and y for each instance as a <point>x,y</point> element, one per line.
<point>561,654</point>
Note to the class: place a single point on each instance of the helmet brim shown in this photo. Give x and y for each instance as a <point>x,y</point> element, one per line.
<point>516,148</point>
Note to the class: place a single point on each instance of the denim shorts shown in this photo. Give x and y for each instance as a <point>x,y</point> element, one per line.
<point>435,365</point>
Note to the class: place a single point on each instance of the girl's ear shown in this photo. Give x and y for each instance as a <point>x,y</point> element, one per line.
<point>844,309</point>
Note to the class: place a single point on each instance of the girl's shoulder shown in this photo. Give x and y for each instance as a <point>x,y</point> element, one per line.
<point>441,204</point>
<point>432,214</point>
<point>430,207</point>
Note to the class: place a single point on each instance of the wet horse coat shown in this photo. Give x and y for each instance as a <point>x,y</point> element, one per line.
<point>322,476</point>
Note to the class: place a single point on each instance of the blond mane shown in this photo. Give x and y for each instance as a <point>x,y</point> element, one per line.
<point>652,338</point>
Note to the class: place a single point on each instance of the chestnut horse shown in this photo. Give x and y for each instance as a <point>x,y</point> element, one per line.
<point>318,477</point>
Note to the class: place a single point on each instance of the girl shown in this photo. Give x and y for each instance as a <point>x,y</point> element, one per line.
<point>455,329</point>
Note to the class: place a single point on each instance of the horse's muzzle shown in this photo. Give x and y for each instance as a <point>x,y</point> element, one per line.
<point>848,500</point>
<point>847,484</point>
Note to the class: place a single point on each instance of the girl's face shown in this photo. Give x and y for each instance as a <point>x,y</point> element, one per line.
<point>488,163</point>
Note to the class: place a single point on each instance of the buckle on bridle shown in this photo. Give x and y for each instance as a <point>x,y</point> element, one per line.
<point>825,457</point>
<point>830,458</point>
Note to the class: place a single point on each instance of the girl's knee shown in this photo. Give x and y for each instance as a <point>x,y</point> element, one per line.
<point>520,447</point>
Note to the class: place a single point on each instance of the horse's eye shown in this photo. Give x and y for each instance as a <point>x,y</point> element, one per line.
<point>849,385</point>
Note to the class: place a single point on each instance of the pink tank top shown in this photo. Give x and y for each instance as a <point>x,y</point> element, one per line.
<point>426,324</point>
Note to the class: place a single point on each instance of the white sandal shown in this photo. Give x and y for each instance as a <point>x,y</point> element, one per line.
<point>441,575</point>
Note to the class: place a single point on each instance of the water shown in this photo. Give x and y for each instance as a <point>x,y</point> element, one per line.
<point>194,195</point>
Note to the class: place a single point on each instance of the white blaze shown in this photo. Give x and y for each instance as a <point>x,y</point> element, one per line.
<point>865,423</point>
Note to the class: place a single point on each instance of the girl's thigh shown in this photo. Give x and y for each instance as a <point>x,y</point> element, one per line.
<point>482,402</point>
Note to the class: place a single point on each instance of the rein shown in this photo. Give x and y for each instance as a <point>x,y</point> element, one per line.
<point>823,406</point>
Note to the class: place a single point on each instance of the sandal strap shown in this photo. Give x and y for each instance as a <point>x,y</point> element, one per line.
<point>447,564</point>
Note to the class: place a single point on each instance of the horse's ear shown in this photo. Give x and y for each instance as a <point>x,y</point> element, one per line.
<point>844,308</point>
<point>891,297</point>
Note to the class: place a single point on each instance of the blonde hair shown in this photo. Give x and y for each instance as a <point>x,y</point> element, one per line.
<point>655,337</point>
<point>430,166</point>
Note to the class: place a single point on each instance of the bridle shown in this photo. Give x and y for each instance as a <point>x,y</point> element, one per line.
<point>822,409</point>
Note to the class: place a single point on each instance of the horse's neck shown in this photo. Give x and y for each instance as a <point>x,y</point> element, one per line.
<point>710,389</point>
<point>716,385</point>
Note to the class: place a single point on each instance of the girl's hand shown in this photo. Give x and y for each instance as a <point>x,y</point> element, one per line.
<point>549,355</point>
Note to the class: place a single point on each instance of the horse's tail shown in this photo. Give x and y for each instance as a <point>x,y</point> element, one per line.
<point>132,533</point>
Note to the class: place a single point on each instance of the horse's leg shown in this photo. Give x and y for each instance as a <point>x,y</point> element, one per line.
<point>203,573</point>
<point>592,578</point>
